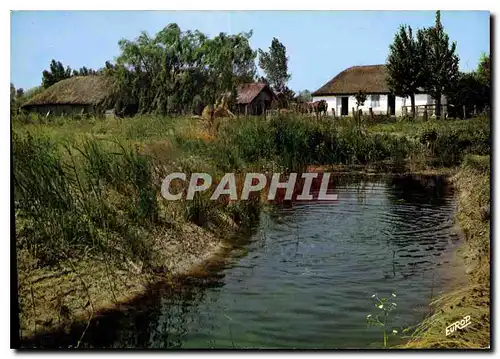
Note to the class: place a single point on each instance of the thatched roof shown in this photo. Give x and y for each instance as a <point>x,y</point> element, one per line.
<point>370,79</point>
<point>78,90</point>
<point>247,92</point>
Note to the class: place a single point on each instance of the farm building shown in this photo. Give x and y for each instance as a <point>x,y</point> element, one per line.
<point>340,93</point>
<point>76,95</point>
<point>254,98</point>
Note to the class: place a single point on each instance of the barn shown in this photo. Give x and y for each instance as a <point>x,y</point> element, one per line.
<point>340,93</point>
<point>254,98</point>
<point>75,96</point>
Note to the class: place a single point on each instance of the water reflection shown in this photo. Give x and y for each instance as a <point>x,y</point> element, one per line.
<point>305,277</point>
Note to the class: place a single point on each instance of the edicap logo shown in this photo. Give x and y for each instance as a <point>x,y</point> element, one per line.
<point>253,182</point>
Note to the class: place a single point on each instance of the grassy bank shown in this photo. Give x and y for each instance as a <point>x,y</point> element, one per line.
<point>92,227</point>
<point>473,186</point>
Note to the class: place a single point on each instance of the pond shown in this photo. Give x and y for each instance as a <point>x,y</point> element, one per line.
<point>305,277</point>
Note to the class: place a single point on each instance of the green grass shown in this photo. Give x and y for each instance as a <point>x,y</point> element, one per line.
<point>91,188</point>
<point>473,185</point>
<point>96,182</point>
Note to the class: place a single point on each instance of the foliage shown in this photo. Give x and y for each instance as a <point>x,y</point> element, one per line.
<point>448,145</point>
<point>441,62</point>
<point>304,96</point>
<point>469,91</point>
<point>84,71</point>
<point>56,73</point>
<point>274,63</point>
<point>79,199</point>
<point>165,73</point>
<point>77,195</point>
<point>360,98</point>
<point>483,70</point>
<point>428,61</point>
<point>385,306</point>
<point>17,97</point>
<point>405,64</point>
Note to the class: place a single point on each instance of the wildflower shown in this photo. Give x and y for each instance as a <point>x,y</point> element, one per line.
<point>380,306</point>
<point>394,331</point>
<point>394,295</point>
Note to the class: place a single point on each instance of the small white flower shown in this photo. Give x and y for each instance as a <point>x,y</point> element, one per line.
<point>380,306</point>
<point>394,295</point>
<point>368,316</point>
<point>373,296</point>
<point>394,331</point>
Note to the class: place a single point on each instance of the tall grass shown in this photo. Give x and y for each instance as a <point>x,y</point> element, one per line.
<point>74,200</point>
<point>93,186</point>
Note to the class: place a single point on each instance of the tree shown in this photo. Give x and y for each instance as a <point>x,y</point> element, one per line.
<point>304,96</point>
<point>441,62</point>
<point>405,64</point>
<point>469,92</point>
<point>285,97</point>
<point>56,73</point>
<point>230,61</point>
<point>84,71</point>
<point>360,98</point>
<point>274,63</point>
<point>483,69</point>
<point>12,98</point>
<point>176,71</point>
<point>263,80</point>
<point>16,99</point>
<point>19,93</point>
<point>472,89</point>
<point>360,101</point>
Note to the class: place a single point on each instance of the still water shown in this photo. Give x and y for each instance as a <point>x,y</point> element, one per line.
<point>305,277</point>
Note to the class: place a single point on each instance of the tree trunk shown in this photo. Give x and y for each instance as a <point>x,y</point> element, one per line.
<point>438,106</point>
<point>412,99</point>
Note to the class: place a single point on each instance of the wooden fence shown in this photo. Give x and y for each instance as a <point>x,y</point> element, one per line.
<point>425,110</point>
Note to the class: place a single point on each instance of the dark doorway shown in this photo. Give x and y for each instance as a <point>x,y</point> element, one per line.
<point>391,104</point>
<point>344,110</point>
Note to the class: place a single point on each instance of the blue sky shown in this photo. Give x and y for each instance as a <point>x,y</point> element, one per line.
<point>319,44</point>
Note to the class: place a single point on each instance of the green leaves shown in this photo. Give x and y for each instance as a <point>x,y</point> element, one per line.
<point>440,62</point>
<point>380,319</point>
<point>404,63</point>
<point>360,98</point>
<point>56,73</point>
<point>428,61</point>
<point>175,71</point>
<point>274,63</point>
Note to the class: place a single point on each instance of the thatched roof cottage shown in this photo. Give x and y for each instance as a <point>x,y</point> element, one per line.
<point>76,95</point>
<point>254,98</point>
<point>340,92</point>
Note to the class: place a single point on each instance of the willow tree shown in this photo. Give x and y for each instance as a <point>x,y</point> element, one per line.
<point>229,61</point>
<point>405,64</point>
<point>441,62</point>
<point>171,71</point>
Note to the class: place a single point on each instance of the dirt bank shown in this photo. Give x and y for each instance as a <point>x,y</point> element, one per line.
<point>55,298</point>
<point>472,183</point>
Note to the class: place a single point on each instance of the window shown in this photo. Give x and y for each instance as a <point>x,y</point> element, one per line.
<point>375,101</point>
